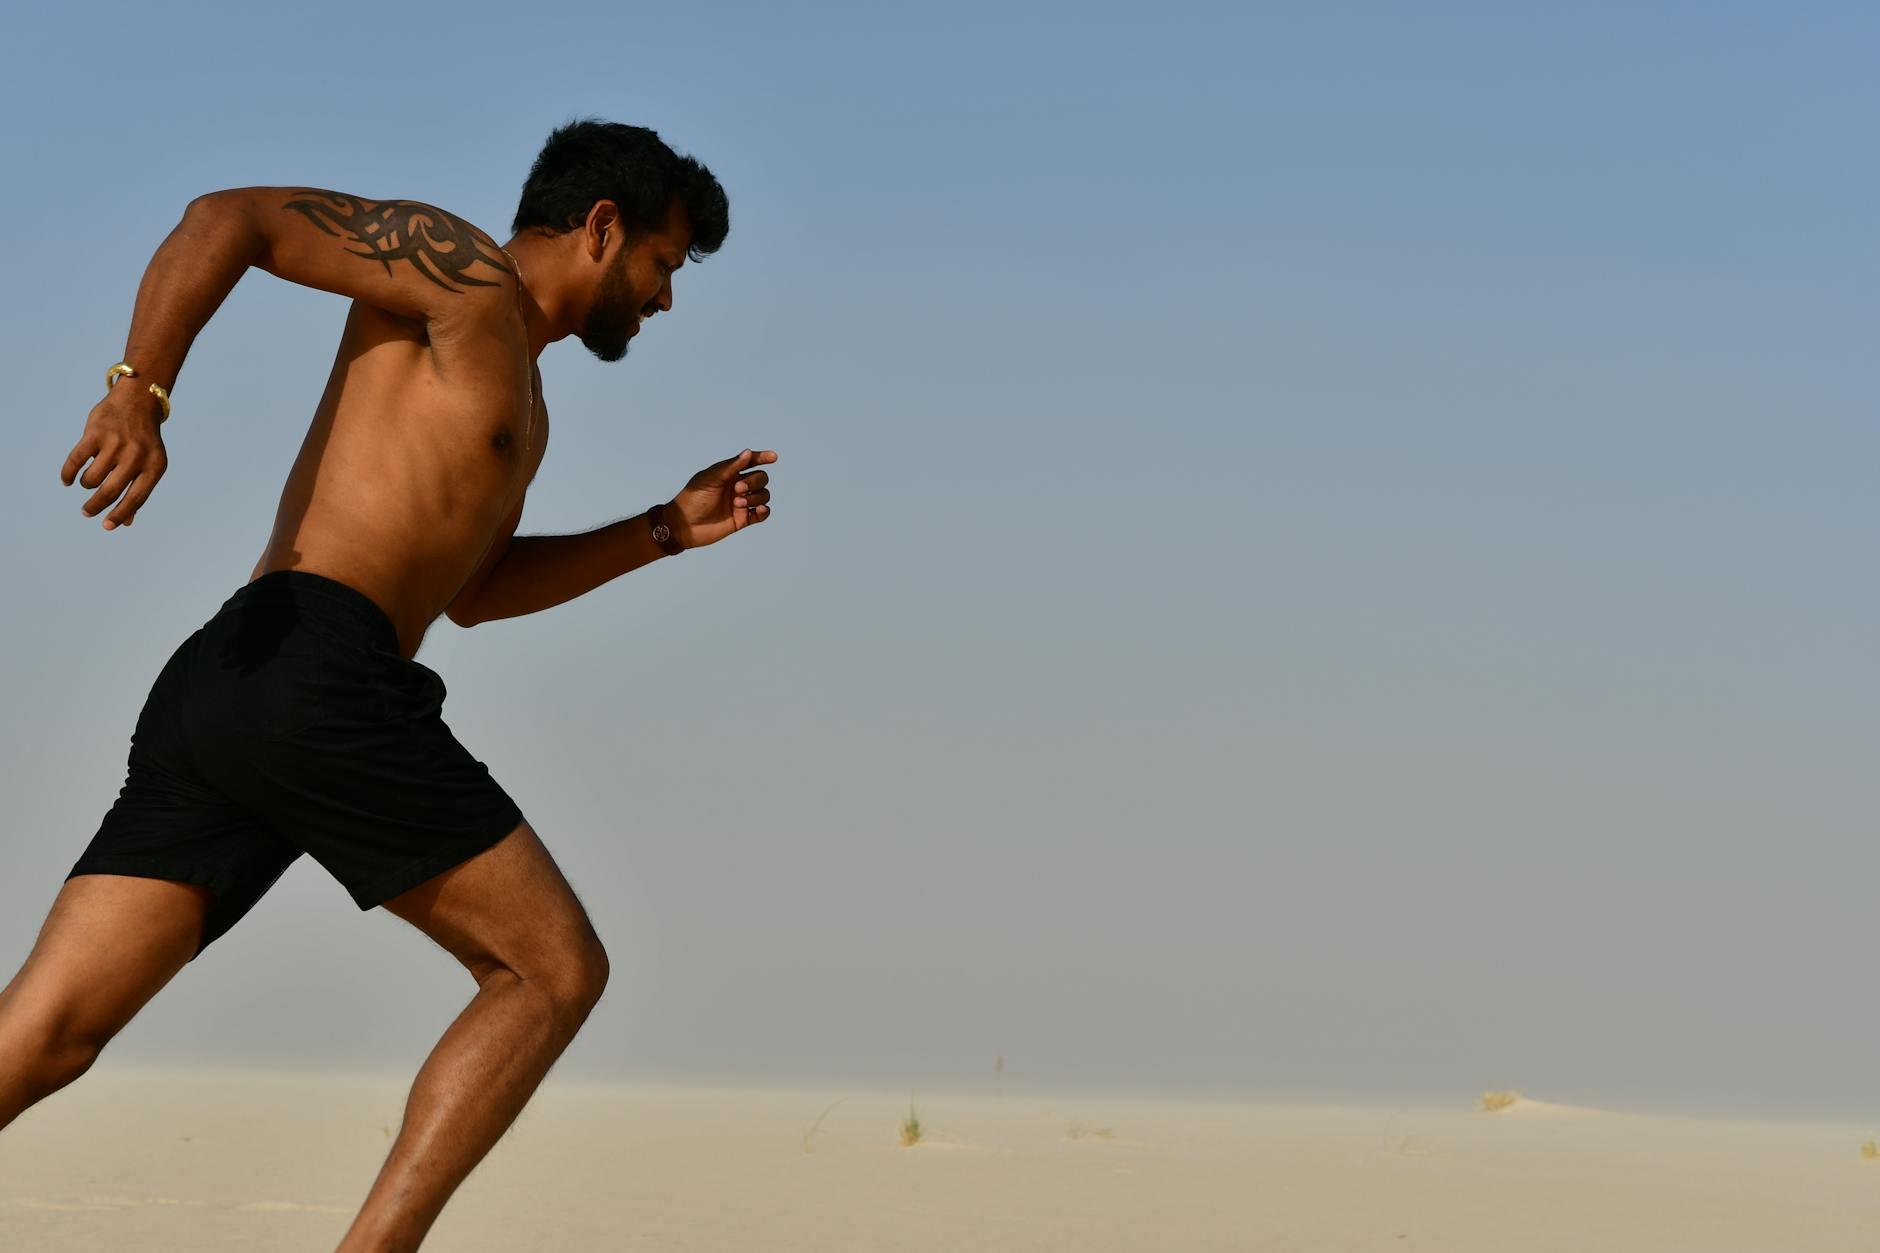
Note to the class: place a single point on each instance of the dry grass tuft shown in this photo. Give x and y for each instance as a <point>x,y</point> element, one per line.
<point>910,1127</point>
<point>1492,1101</point>
<point>1079,1131</point>
<point>1870,1150</point>
<point>818,1123</point>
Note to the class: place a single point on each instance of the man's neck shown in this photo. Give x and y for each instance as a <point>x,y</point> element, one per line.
<point>547,309</point>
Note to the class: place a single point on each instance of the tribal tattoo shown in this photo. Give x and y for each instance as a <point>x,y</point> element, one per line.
<point>439,245</point>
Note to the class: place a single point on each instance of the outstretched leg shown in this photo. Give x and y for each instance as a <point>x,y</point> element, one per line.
<point>108,945</point>
<point>511,919</point>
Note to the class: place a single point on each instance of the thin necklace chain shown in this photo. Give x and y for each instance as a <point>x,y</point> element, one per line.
<point>528,422</point>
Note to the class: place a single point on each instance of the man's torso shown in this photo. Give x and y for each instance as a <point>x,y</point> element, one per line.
<point>416,456</point>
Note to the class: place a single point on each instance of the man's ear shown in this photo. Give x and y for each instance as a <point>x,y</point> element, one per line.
<point>601,228</point>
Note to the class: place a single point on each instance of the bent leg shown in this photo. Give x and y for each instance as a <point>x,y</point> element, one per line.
<point>511,919</point>
<point>109,944</point>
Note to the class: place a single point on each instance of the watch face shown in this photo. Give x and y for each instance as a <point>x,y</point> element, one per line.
<point>662,533</point>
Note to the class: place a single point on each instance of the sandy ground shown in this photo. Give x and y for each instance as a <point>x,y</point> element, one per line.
<point>129,1160</point>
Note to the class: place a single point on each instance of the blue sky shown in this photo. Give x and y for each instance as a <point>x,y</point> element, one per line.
<point>1318,548</point>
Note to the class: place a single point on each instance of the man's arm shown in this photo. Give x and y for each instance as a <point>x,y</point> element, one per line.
<point>407,258</point>
<point>530,573</point>
<point>404,257</point>
<point>537,572</point>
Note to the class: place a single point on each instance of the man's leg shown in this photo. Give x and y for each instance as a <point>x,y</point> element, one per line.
<point>108,945</point>
<point>511,919</point>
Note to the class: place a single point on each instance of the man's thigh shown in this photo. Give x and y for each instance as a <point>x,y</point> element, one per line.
<point>507,908</point>
<point>108,945</point>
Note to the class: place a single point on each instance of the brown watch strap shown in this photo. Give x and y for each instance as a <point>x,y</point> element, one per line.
<point>662,533</point>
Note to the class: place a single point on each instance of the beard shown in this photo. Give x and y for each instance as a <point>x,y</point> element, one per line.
<point>610,321</point>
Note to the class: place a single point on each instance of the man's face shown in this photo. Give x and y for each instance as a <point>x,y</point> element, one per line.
<point>636,284</point>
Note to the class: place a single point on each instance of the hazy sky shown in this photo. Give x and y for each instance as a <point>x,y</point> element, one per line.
<point>1318,549</point>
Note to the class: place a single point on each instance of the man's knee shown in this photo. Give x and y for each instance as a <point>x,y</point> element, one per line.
<point>48,1054</point>
<point>508,914</point>
<point>569,976</point>
<point>66,1059</point>
<point>576,981</point>
<point>596,970</point>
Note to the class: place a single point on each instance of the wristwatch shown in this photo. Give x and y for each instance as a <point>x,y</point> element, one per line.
<point>662,534</point>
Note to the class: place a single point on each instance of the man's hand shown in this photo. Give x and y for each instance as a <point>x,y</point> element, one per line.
<point>125,451</point>
<point>722,499</point>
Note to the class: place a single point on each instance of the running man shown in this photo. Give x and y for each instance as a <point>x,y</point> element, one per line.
<point>296,720</point>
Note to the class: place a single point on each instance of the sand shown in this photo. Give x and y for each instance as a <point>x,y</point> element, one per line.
<point>129,1160</point>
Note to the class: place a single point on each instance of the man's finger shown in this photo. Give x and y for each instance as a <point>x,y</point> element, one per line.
<point>751,457</point>
<point>82,452</point>
<point>101,466</point>
<point>113,488</point>
<point>754,480</point>
<point>134,499</point>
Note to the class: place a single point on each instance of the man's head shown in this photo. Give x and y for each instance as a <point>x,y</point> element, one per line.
<point>636,210</point>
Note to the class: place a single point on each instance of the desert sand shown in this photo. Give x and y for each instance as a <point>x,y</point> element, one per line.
<point>152,1162</point>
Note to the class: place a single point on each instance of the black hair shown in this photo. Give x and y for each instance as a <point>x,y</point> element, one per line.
<point>589,160</point>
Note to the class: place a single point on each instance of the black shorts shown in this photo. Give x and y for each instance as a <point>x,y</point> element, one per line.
<point>291,724</point>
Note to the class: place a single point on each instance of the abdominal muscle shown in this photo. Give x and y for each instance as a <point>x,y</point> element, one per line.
<point>409,468</point>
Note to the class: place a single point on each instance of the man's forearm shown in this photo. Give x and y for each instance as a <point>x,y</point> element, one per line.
<point>541,571</point>
<point>187,280</point>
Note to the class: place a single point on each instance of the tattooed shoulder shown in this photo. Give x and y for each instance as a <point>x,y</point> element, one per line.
<point>439,245</point>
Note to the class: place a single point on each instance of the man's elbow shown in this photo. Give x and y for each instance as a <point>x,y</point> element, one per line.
<point>207,208</point>
<point>222,218</point>
<point>216,207</point>
<point>462,609</point>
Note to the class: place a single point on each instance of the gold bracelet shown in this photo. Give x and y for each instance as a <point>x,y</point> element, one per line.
<point>123,371</point>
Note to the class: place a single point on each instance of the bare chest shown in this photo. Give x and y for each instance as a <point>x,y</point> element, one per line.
<point>405,430</point>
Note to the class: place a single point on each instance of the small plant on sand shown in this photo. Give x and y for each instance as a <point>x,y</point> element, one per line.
<point>1079,1131</point>
<point>1492,1101</point>
<point>910,1126</point>
<point>1870,1150</point>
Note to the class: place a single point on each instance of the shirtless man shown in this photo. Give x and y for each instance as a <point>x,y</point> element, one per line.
<point>296,719</point>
